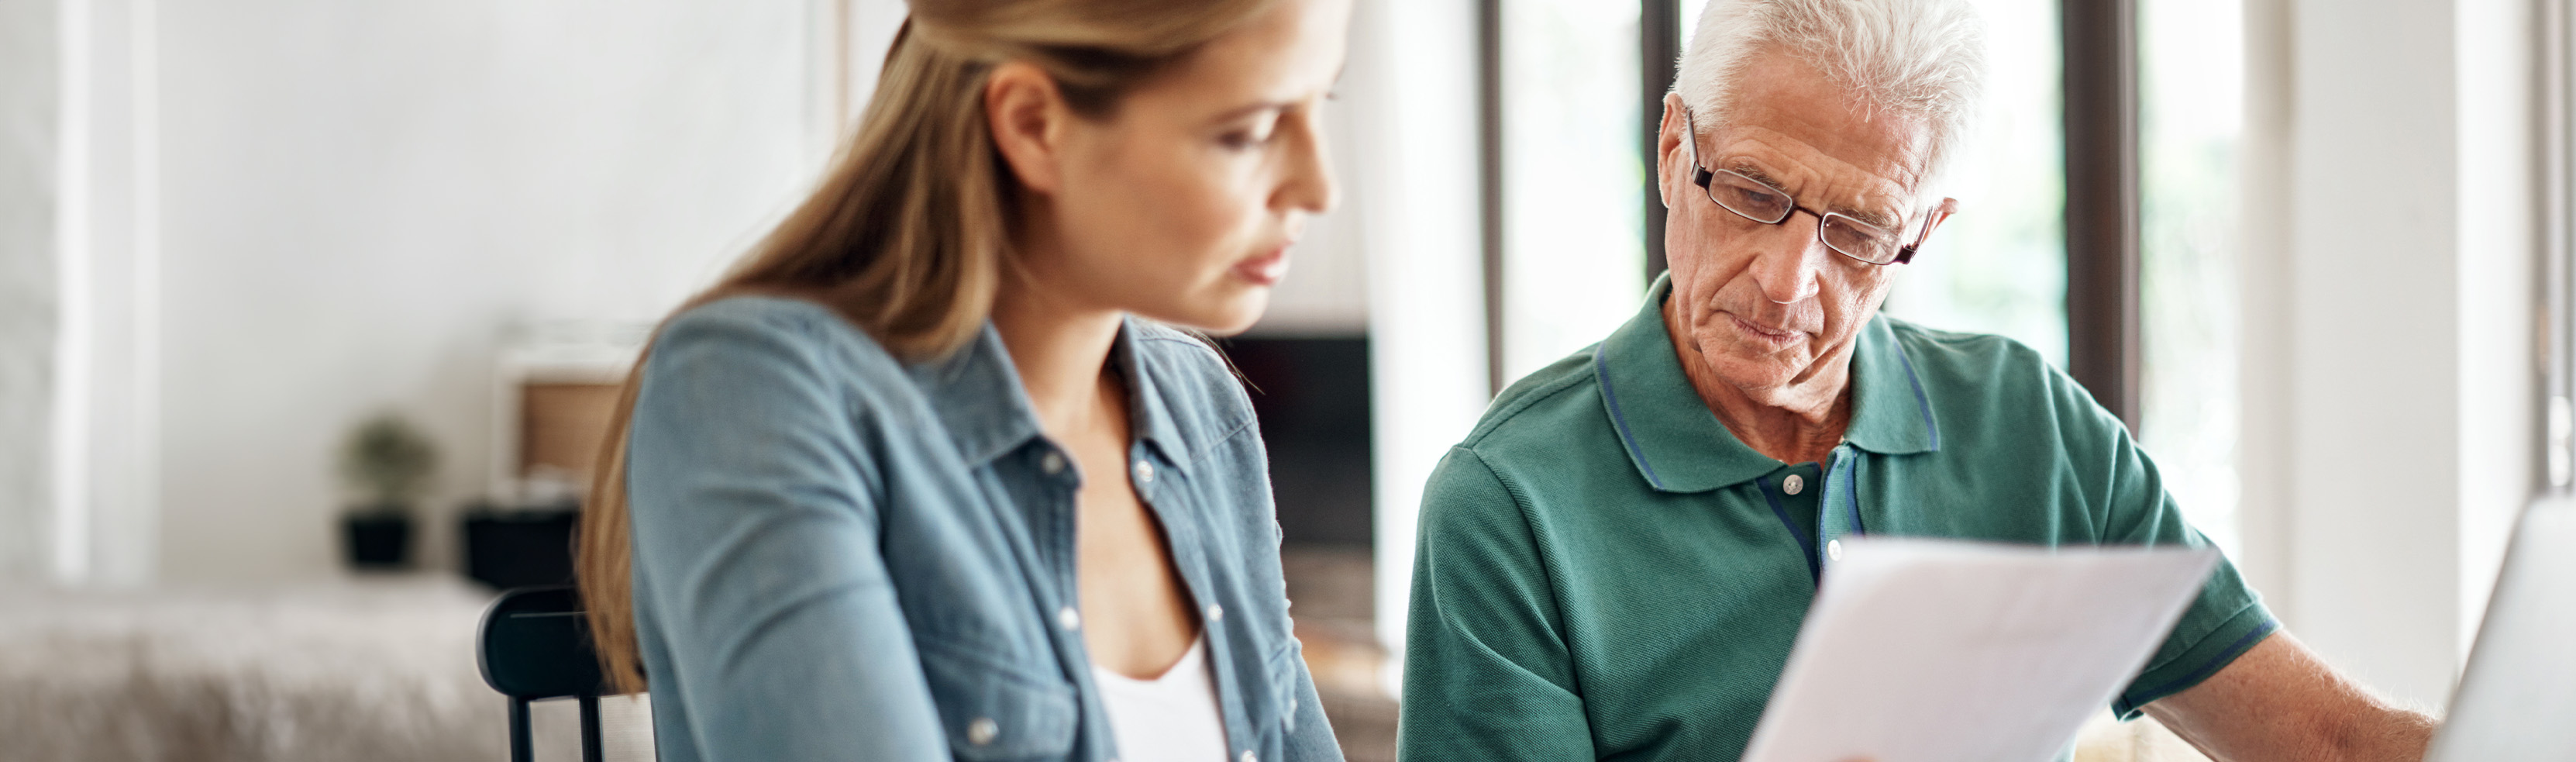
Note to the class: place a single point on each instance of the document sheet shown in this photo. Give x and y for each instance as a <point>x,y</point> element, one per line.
<point>1945,651</point>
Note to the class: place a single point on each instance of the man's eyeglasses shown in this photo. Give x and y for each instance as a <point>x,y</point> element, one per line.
<point>1762,202</point>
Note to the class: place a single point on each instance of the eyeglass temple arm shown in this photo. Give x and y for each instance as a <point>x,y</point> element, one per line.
<point>1940,214</point>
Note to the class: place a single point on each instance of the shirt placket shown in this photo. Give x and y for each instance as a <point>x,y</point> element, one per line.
<point>1791,491</point>
<point>1837,512</point>
<point>1054,519</point>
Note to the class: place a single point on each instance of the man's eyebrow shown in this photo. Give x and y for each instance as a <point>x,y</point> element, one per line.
<point>1747,169</point>
<point>1873,217</point>
<point>1865,215</point>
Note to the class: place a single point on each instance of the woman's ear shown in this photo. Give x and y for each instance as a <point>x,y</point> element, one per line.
<point>1028,118</point>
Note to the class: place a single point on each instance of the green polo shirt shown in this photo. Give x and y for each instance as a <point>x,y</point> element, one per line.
<point>1605,571</point>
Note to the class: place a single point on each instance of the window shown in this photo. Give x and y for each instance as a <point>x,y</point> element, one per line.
<point>2191,71</point>
<point>2000,265</point>
<point>1573,232</point>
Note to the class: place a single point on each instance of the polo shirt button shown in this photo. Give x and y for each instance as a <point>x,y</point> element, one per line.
<point>982,731</point>
<point>1834,550</point>
<point>1216,613</point>
<point>1247,756</point>
<point>1068,618</point>
<point>1052,464</point>
<point>1144,472</point>
<point>1794,484</point>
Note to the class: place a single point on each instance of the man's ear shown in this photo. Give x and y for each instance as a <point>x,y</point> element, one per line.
<point>1940,213</point>
<point>1027,115</point>
<point>1668,148</point>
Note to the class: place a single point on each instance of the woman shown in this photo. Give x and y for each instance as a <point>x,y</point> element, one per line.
<point>924,478</point>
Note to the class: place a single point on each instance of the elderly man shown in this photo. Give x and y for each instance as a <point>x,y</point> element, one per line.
<point>1614,564</point>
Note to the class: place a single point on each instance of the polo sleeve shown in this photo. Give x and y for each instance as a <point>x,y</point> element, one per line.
<point>1487,675</point>
<point>2227,618</point>
<point>756,547</point>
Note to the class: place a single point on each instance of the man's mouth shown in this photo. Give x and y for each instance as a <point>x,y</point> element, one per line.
<point>1767,334</point>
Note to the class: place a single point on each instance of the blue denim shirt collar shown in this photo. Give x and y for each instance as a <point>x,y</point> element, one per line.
<point>962,389</point>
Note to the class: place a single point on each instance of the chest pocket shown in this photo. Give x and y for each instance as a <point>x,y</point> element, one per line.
<point>992,710</point>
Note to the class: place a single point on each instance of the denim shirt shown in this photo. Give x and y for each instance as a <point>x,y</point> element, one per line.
<point>843,555</point>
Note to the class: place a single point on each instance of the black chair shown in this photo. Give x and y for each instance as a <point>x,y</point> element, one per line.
<point>535,645</point>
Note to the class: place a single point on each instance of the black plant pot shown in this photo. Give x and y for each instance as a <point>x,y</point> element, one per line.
<point>377,541</point>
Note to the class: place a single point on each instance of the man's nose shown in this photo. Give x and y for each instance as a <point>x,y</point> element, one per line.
<point>1791,261</point>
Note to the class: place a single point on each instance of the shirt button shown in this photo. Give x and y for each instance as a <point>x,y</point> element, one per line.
<point>1834,550</point>
<point>1247,756</point>
<point>1144,472</point>
<point>982,731</point>
<point>1216,613</point>
<point>1794,484</point>
<point>1068,618</point>
<point>1052,464</point>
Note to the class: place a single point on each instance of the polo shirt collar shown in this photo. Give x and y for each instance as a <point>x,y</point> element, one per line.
<point>1679,446</point>
<point>977,395</point>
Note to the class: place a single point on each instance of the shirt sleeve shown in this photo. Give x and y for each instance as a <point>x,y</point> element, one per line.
<point>1310,734</point>
<point>754,526</point>
<point>1487,675</point>
<point>2227,618</point>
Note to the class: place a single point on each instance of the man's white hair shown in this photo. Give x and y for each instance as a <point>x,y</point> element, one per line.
<point>1923,59</point>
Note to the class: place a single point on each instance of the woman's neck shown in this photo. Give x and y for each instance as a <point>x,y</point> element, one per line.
<point>1059,349</point>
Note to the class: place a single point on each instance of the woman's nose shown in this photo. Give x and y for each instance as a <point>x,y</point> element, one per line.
<point>1309,184</point>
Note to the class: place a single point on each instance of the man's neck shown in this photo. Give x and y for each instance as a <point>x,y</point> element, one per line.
<point>1799,422</point>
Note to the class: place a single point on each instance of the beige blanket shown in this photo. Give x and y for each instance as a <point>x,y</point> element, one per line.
<point>365,669</point>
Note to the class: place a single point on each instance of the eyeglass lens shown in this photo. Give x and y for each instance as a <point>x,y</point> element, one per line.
<point>1761,203</point>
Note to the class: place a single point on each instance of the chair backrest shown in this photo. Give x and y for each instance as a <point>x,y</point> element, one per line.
<point>535,644</point>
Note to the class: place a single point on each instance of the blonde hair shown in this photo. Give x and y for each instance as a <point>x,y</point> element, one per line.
<point>909,236</point>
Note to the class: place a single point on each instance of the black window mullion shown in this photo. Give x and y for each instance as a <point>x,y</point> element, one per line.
<point>1659,48</point>
<point>2099,40</point>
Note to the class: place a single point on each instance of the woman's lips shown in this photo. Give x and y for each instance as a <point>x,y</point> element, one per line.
<point>1264,270</point>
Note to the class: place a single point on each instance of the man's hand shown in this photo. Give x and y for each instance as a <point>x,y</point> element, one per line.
<point>2280,703</point>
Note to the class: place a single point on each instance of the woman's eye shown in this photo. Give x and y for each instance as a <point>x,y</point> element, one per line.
<point>1249,138</point>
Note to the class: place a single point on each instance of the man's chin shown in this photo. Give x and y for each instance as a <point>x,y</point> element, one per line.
<point>1751,376</point>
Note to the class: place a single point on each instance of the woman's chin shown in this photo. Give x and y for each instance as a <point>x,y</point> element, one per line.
<point>1231,314</point>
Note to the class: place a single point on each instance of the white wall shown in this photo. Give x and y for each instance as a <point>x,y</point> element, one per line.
<point>357,199</point>
<point>1411,86</point>
<point>29,117</point>
<point>294,213</point>
<point>2389,303</point>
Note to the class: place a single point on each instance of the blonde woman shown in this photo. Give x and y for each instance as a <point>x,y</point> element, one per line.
<point>925,477</point>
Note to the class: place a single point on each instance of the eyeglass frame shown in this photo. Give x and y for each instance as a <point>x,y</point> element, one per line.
<point>1702,176</point>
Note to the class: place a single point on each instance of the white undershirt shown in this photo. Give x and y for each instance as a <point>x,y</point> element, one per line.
<point>1172,718</point>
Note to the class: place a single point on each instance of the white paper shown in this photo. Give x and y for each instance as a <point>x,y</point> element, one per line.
<point>1944,651</point>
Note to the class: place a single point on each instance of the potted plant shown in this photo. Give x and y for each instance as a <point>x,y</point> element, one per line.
<point>387,463</point>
